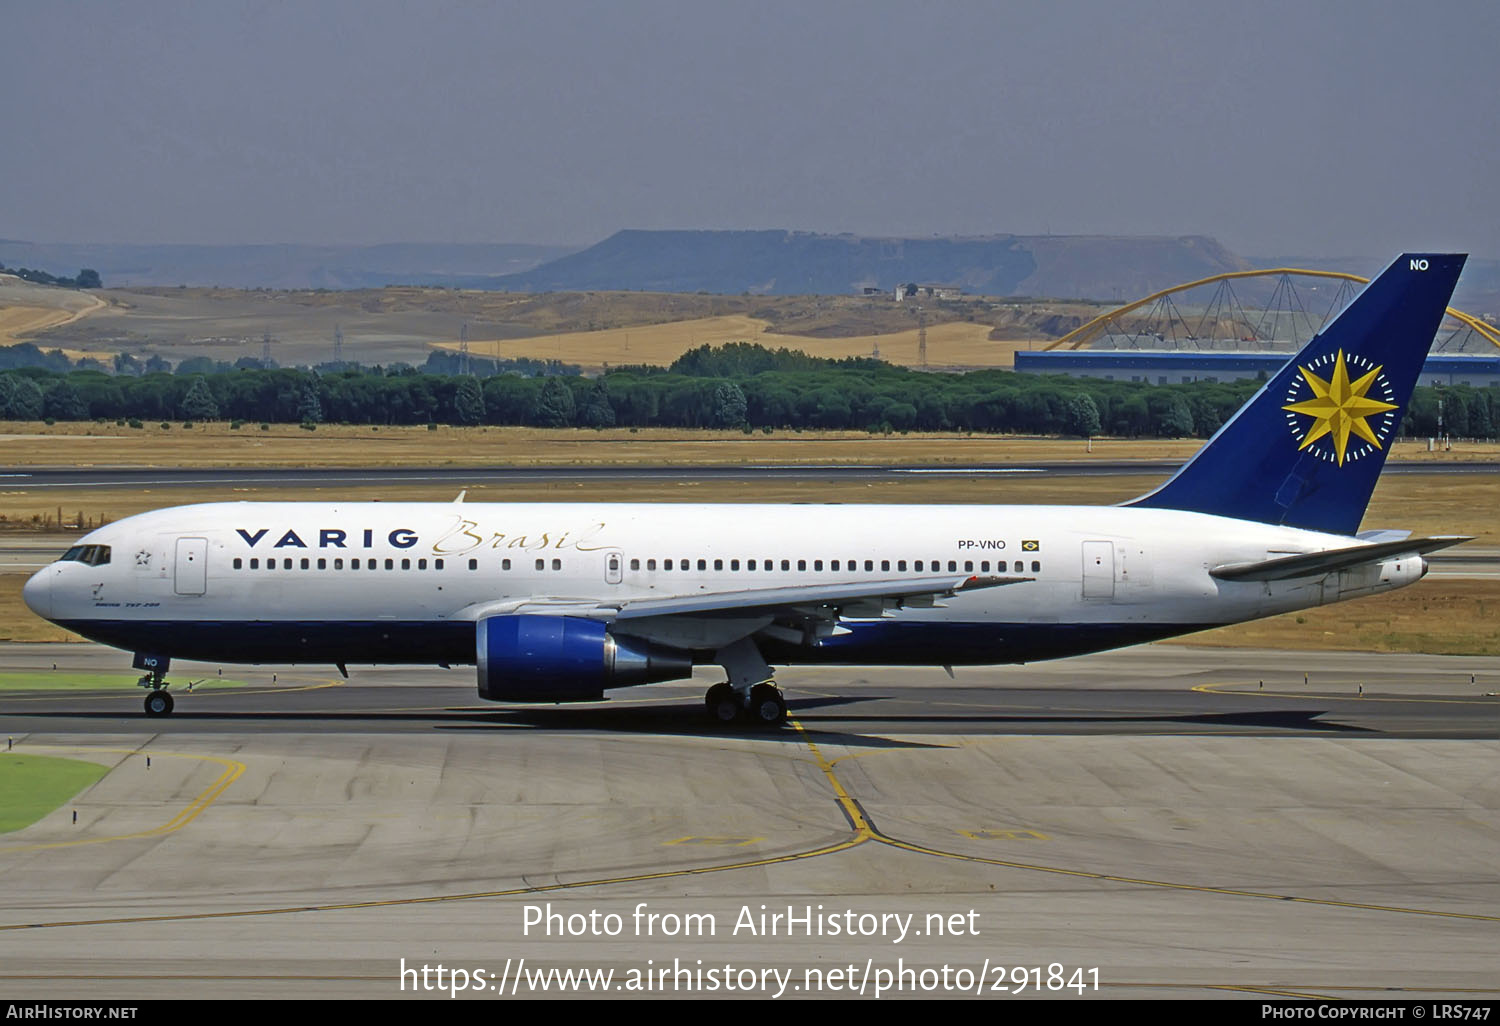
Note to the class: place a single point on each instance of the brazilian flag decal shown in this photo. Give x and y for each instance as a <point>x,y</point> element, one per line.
<point>1031,546</point>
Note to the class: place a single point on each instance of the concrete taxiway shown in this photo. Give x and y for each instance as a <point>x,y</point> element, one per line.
<point>1188,821</point>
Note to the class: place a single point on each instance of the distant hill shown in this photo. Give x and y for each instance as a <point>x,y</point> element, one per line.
<point>790,263</point>
<point>284,266</point>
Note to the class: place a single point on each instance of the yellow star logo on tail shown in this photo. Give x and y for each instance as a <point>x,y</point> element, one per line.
<point>1339,407</point>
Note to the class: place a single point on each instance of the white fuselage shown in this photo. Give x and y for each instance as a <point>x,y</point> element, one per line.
<point>405,582</point>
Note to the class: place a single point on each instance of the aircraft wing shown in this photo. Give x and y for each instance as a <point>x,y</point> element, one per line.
<point>878,595</point>
<point>862,598</point>
<point>1311,564</point>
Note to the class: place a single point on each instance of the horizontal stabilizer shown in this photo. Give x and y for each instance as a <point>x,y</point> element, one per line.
<point>1312,564</point>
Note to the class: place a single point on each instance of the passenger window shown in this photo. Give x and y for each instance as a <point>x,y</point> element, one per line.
<point>406,564</point>
<point>322,564</point>
<point>869,565</point>
<point>286,564</point>
<point>421,564</point>
<point>786,564</point>
<point>984,566</point>
<point>1036,566</point>
<point>236,562</point>
<point>918,566</point>
<point>557,564</point>
<point>885,565</point>
<point>1019,566</point>
<point>734,564</point>
<point>666,564</point>
<point>635,564</point>
<point>338,563</point>
<point>901,566</point>
<point>718,564</point>
<point>541,564</point>
<point>702,564</point>
<point>306,564</point>
<point>802,565</point>
<point>651,564</point>
<point>473,564</point>
<point>437,564</point>
<point>817,564</point>
<point>968,566</point>
<point>750,565</point>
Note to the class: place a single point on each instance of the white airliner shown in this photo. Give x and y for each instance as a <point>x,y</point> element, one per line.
<point>560,602</point>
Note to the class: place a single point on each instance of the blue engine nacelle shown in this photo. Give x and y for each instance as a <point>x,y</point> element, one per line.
<point>531,658</point>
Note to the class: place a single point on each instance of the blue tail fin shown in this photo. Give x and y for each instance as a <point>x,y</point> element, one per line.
<point>1306,450</point>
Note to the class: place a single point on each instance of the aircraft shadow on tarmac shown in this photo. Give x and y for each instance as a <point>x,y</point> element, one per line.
<point>822,717</point>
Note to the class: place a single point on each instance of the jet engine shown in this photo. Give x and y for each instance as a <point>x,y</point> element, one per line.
<point>534,658</point>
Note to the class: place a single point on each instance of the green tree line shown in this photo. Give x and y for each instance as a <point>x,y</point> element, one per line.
<point>739,386</point>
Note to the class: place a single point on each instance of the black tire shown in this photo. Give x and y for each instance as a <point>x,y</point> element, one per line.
<point>767,705</point>
<point>722,703</point>
<point>158,703</point>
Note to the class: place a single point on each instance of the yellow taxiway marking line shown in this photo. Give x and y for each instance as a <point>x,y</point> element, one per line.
<point>1323,696</point>
<point>864,828</point>
<point>862,831</point>
<point>232,772</point>
<point>434,899</point>
<point>851,810</point>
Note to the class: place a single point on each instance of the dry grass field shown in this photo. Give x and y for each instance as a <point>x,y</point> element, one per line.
<point>958,344</point>
<point>30,444</point>
<point>27,309</point>
<point>589,328</point>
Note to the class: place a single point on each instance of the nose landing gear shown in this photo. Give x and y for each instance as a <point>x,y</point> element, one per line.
<point>158,702</point>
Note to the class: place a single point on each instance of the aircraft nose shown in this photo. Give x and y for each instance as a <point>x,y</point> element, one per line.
<point>37,593</point>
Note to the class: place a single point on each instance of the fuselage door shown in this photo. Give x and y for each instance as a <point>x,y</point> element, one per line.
<point>191,577</point>
<point>614,567</point>
<point>1098,570</point>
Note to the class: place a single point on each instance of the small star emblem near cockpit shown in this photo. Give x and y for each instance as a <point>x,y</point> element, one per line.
<point>143,558</point>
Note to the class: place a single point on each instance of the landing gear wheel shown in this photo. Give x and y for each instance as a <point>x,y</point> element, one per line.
<point>767,705</point>
<point>722,703</point>
<point>158,703</point>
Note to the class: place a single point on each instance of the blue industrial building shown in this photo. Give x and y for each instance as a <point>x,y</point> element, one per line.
<point>1179,367</point>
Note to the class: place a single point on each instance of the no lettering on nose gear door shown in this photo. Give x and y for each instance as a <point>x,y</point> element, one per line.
<point>192,566</point>
<point>1098,569</point>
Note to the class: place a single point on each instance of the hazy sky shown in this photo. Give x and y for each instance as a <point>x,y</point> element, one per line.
<point>1348,128</point>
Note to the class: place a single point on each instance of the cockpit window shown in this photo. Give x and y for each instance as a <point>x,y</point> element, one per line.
<point>93,555</point>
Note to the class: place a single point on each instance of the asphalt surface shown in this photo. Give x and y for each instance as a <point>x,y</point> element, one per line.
<point>1153,690</point>
<point>1165,821</point>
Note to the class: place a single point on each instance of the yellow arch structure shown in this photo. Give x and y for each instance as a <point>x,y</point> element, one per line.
<point>1086,333</point>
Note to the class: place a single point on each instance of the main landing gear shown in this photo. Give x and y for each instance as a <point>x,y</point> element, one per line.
<point>765,705</point>
<point>749,695</point>
<point>158,702</point>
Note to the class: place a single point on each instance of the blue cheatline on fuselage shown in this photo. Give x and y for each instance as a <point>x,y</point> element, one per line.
<point>895,643</point>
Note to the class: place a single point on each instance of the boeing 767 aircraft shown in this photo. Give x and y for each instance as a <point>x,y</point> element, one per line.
<point>561,602</point>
